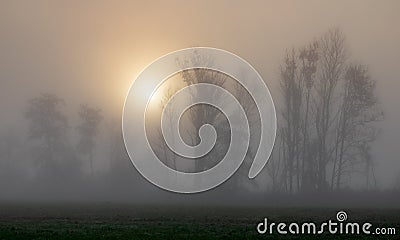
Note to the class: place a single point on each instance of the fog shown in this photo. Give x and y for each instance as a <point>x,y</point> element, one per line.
<point>90,53</point>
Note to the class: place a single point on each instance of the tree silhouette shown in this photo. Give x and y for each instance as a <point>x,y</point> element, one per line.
<point>48,132</point>
<point>328,111</point>
<point>88,129</point>
<point>202,114</point>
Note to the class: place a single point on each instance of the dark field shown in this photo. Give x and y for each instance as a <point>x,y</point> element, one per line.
<point>110,221</point>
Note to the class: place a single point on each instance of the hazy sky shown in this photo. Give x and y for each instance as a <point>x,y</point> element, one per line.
<point>90,51</point>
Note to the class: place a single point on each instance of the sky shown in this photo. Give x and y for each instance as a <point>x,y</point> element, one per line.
<point>91,51</point>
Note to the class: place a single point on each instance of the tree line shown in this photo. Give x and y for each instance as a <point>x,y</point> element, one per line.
<point>327,114</point>
<point>326,118</point>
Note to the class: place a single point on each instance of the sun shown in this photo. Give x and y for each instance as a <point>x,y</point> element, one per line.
<point>157,95</point>
<point>157,98</point>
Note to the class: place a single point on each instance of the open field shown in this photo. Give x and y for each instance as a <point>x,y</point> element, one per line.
<point>123,221</point>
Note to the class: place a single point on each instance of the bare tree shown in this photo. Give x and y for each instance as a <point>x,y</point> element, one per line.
<point>48,133</point>
<point>308,67</point>
<point>88,129</point>
<point>328,111</point>
<point>357,111</point>
<point>202,114</point>
<point>333,58</point>
<point>291,134</point>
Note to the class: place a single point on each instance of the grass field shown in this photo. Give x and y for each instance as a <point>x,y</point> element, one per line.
<point>110,221</point>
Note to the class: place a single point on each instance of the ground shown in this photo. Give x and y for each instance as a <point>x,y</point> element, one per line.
<point>125,221</point>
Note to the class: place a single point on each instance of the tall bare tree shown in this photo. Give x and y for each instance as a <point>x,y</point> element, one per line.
<point>333,59</point>
<point>292,100</point>
<point>354,132</point>
<point>202,114</point>
<point>328,112</point>
<point>308,58</point>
